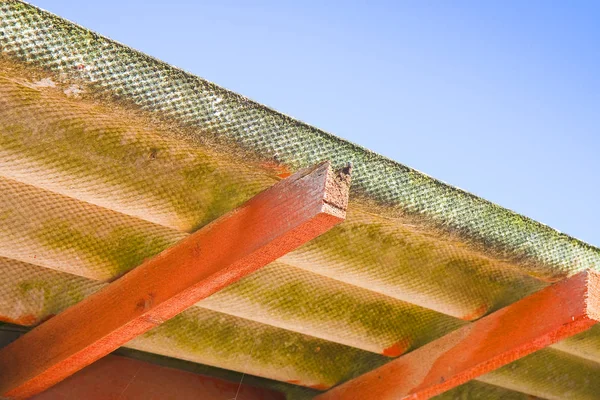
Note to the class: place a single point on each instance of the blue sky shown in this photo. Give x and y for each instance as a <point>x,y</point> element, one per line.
<point>500,98</point>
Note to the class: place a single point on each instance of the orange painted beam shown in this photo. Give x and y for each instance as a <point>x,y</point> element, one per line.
<point>539,320</point>
<point>274,222</point>
<point>118,378</point>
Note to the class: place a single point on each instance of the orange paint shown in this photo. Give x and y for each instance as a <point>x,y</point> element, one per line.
<point>320,386</point>
<point>396,349</point>
<point>539,320</point>
<point>268,226</point>
<point>25,320</point>
<point>284,175</point>
<point>478,313</point>
<point>279,170</point>
<point>47,317</point>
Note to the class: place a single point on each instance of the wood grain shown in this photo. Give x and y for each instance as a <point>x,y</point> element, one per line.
<point>271,224</point>
<point>539,320</point>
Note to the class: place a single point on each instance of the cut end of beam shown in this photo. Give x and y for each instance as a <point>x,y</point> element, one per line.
<point>593,295</point>
<point>537,321</point>
<point>337,187</point>
<point>271,224</point>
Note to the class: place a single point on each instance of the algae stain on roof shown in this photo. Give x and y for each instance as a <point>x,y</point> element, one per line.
<point>88,151</point>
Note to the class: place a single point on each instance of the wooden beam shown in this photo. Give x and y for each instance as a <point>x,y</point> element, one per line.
<point>539,320</point>
<point>115,377</point>
<point>271,224</point>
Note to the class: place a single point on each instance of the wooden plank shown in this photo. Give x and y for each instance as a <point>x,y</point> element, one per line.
<point>274,222</point>
<point>114,377</point>
<point>539,320</point>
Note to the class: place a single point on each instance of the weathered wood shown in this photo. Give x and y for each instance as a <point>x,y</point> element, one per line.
<point>539,320</point>
<point>114,377</point>
<point>268,226</point>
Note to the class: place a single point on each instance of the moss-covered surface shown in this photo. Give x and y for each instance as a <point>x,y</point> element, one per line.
<point>121,249</point>
<point>238,344</point>
<point>10,332</point>
<point>198,335</point>
<point>585,344</point>
<point>59,232</point>
<point>120,163</point>
<point>475,390</point>
<point>383,256</point>
<point>91,150</point>
<point>90,241</point>
<point>30,294</point>
<point>49,291</point>
<point>550,374</point>
<point>294,299</point>
<point>218,339</point>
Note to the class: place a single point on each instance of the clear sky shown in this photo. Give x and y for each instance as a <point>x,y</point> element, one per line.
<point>500,98</point>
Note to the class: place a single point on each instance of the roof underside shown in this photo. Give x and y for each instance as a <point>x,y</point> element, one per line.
<point>108,156</point>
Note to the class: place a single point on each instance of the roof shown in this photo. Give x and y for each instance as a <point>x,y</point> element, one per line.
<point>109,156</point>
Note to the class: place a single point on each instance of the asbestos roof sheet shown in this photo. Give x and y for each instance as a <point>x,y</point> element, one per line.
<point>109,156</point>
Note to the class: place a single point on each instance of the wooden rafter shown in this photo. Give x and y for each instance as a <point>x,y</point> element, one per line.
<point>265,228</point>
<point>539,320</point>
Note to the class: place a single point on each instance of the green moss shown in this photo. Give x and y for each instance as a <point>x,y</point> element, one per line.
<point>324,301</point>
<point>408,261</point>
<point>75,295</point>
<point>38,284</point>
<point>585,344</point>
<point>119,250</point>
<point>5,214</point>
<point>474,390</point>
<point>57,294</point>
<point>84,142</point>
<point>550,373</point>
<point>227,338</point>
